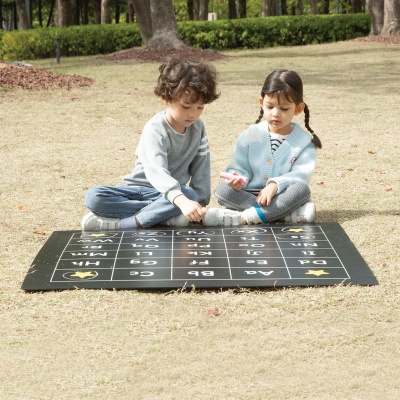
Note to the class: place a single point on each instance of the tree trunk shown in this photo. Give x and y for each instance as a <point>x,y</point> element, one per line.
<point>40,15</point>
<point>314,7</point>
<point>269,8</point>
<point>232,14</point>
<point>325,7</point>
<point>300,7</point>
<point>242,9</point>
<point>375,7</point>
<point>105,11</point>
<point>190,6</point>
<point>391,18</point>
<point>97,11</point>
<point>63,13</point>
<point>1,15</point>
<point>203,10</point>
<point>165,29</point>
<point>74,12</point>
<point>130,14</point>
<point>143,17</point>
<point>356,6</point>
<point>50,17</point>
<point>284,7</point>
<point>264,8</point>
<point>23,22</point>
<point>85,12</point>
<point>196,9</point>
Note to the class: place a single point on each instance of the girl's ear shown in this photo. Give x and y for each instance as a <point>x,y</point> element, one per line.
<point>299,108</point>
<point>260,100</point>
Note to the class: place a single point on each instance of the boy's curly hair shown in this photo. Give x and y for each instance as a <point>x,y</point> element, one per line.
<point>191,79</point>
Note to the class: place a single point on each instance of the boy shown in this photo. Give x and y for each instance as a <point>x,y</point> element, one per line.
<point>172,150</point>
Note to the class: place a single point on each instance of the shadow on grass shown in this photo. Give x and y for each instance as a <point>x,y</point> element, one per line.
<point>349,215</point>
<point>288,53</point>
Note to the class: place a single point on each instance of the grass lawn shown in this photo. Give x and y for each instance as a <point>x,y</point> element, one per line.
<point>295,343</point>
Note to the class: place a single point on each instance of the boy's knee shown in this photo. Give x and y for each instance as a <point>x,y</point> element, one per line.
<point>189,193</point>
<point>92,197</point>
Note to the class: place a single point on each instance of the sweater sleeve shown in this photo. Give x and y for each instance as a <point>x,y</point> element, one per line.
<point>240,156</point>
<point>152,153</point>
<point>301,170</point>
<point>200,171</point>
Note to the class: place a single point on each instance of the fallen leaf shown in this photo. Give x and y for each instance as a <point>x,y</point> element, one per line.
<point>214,311</point>
<point>320,183</point>
<point>38,232</point>
<point>388,189</point>
<point>371,152</point>
<point>21,208</point>
<point>340,174</point>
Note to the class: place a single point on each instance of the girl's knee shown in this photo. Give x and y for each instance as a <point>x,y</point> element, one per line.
<point>222,190</point>
<point>301,190</point>
<point>305,189</point>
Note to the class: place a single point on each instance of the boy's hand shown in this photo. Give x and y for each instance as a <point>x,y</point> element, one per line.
<point>190,209</point>
<point>265,196</point>
<point>236,183</point>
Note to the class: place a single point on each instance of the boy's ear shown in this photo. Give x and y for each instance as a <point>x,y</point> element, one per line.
<point>299,108</point>
<point>164,101</point>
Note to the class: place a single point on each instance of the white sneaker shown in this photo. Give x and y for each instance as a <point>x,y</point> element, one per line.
<point>179,220</point>
<point>222,217</point>
<point>305,213</point>
<point>93,222</point>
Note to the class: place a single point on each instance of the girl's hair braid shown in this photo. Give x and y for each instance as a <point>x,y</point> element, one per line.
<point>260,116</point>
<point>315,138</point>
<point>283,82</point>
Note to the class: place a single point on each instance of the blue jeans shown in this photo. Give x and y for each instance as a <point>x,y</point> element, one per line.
<point>145,203</point>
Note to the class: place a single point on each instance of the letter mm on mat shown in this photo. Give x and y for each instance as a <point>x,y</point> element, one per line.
<point>203,257</point>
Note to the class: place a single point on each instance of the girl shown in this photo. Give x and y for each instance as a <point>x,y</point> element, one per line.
<point>278,158</point>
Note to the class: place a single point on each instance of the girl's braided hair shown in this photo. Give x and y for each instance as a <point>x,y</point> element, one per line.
<point>283,82</point>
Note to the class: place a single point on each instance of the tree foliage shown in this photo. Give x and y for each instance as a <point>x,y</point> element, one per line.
<point>22,14</point>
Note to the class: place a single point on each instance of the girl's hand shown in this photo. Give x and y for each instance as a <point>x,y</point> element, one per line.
<point>235,183</point>
<point>265,196</point>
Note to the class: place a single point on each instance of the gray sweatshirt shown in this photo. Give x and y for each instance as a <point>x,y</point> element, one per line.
<point>166,159</point>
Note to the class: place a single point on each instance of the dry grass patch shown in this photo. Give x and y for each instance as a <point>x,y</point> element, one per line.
<point>295,343</point>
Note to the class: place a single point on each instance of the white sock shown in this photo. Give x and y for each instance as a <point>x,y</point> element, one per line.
<point>127,223</point>
<point>250,216</point>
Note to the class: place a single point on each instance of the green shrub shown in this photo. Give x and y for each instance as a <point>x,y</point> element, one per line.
<point>224,34</point>
<point>274,31</point>
<point>74,41</point>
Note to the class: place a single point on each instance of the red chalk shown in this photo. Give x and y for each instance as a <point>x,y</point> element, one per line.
<point>226,175</point>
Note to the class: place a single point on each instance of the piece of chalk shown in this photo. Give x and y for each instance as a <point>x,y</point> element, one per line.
<point>226,175</point>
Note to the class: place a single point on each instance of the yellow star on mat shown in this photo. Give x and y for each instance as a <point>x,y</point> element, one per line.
<point>317,272</point>
<point>98,234</point>
<point>83,274</point>
<point>295,230</point>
